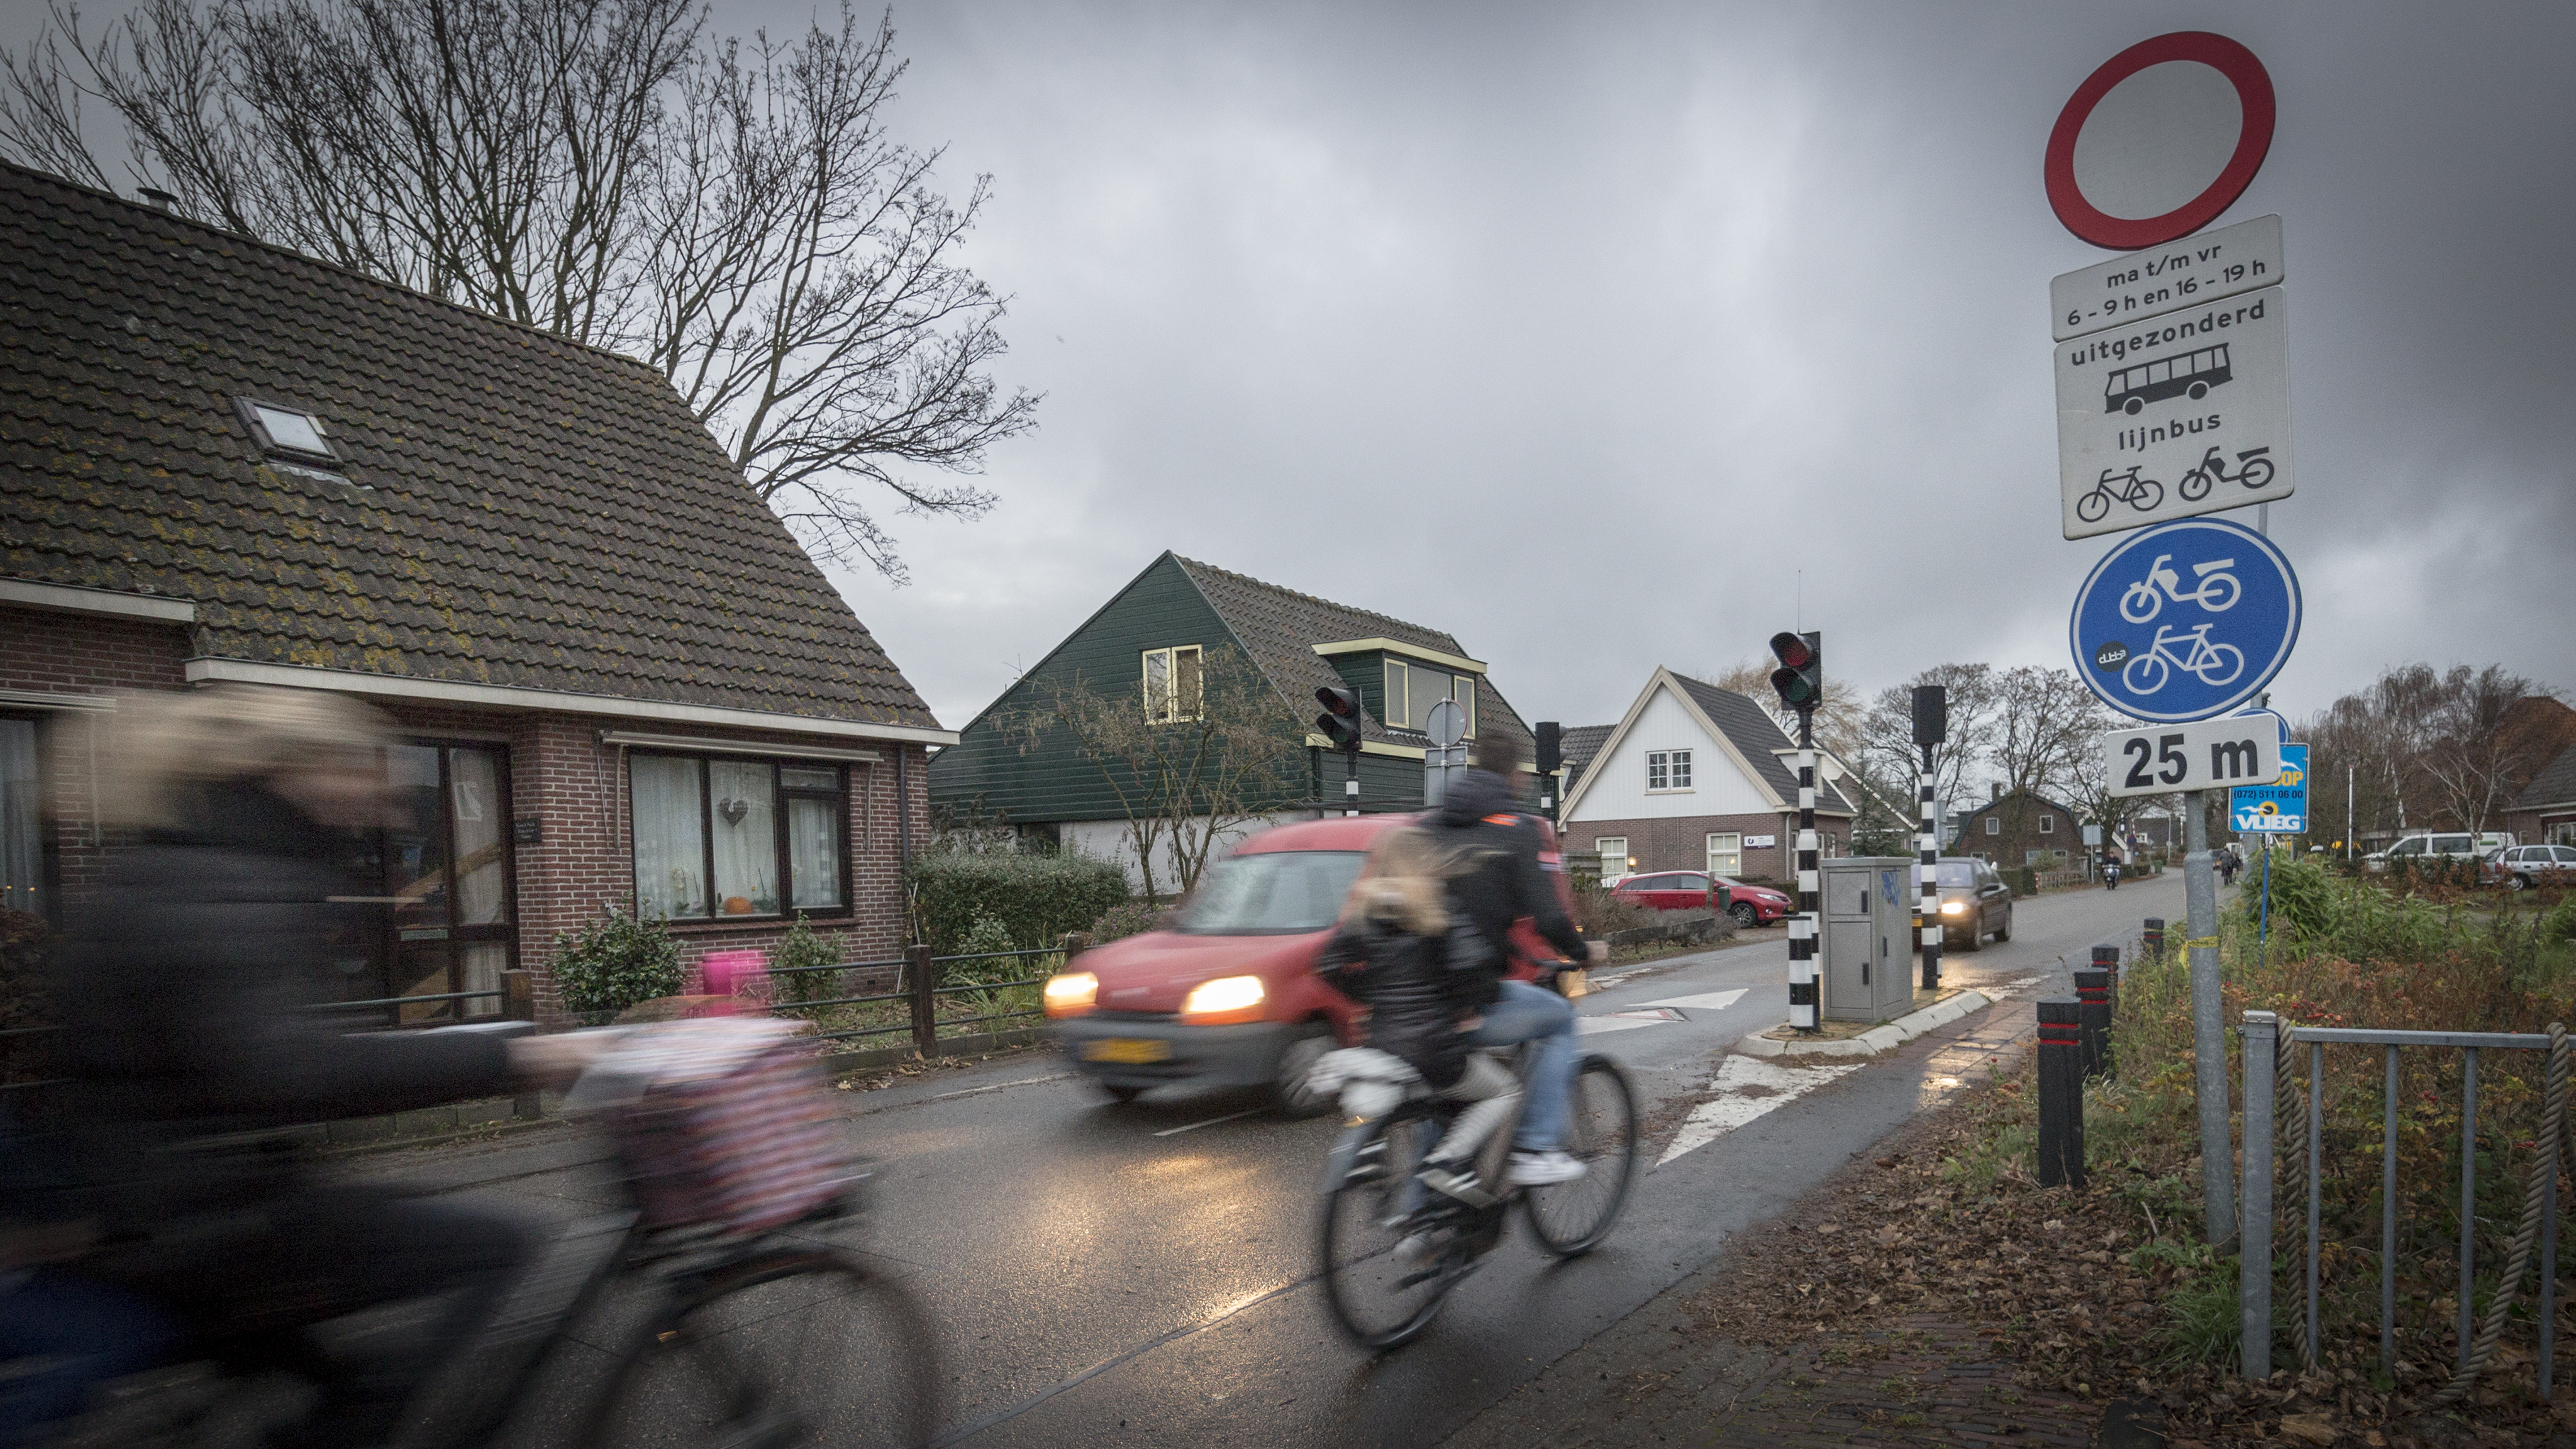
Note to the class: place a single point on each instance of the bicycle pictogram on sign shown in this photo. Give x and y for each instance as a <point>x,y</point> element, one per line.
<point>2185,620</point>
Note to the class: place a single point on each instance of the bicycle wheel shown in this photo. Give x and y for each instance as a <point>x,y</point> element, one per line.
<point>2092,506</point>
<point>2194,486</point>
<point>2210,672</point>
<point>2143,595</point>
<point>1381,1297</point>
<point>2148,496</point>
<point>1571,1218</point>
<point>2142,669</point>
<point>803,1347</point>
<point>2257,474</point>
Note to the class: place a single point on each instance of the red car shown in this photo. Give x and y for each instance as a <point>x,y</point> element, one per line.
<point>1691,890</point>
<point>1228,996</point>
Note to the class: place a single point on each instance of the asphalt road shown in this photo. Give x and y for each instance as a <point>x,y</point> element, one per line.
<point>1143,1274</point>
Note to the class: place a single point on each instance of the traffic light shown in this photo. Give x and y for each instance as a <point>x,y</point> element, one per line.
<point>1931,714</point>
<point>1801,675</point>
<point>1550,748</point>
<point>1340,721</point>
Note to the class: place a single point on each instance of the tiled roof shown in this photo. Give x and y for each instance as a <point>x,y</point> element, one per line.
<point>1280,628</point>
<point>1579,744</point>
<point>2554,785</point>
<point>1755,734</point>
<point>521,510</point>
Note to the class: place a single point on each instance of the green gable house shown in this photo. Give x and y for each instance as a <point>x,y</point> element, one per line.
<point>1161,646</point>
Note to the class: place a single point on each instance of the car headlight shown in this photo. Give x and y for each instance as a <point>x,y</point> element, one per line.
<point>1954,908</point>
<point>1071,993</point>
<point>1225,999</point>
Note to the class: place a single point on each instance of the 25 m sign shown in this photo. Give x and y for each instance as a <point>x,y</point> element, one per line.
<point>2209,754</point>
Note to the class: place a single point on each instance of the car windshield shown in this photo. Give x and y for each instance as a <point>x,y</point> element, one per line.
<point>1270,893</point>
<point>1956,875</point>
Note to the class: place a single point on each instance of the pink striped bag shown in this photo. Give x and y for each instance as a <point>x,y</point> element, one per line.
<point>725,1122</point>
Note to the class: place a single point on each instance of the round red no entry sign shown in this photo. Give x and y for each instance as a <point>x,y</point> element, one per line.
<point>2160,140</point>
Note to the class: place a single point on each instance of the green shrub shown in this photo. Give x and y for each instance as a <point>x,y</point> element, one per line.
<point>2559,926</point>
<point>615,962</point>
<point>1135,918</point>
<point>2305,900</point>
<point>987,936</point>
<point>1035,899</point>
<point>801,947</point>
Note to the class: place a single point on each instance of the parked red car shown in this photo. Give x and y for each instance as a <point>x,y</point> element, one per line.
<point>1227,997</point>
<point>1697,890</point>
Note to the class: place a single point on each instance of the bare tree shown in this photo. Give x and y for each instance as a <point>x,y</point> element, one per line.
<point>2046,722</point>
<point>1886,747</point>
<point>2422,747</point>
<point>739,217</point>
<point>1189,773</point>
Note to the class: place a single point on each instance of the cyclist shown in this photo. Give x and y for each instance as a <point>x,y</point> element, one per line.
<point>178,998</point>
<point>1491,850</point>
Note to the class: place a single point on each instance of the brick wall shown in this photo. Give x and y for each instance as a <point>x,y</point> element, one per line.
<point>1682,843</point>
<point>559,774</point>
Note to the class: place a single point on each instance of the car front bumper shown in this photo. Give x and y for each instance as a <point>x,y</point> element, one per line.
<point>1156,1051</point>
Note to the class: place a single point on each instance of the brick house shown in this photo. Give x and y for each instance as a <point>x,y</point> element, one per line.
<point>619,680</point>
<point>2018,828</point>
<point>1695,777</point>
<point>2545,812</point>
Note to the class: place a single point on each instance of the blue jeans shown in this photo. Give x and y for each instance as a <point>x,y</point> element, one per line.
<point>86,1333</point>
<point>1534,1013</point>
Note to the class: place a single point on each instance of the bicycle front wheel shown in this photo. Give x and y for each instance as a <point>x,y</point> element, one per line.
<point>1571,1218</point>
<point>1383,1285</point>
<point>805,1348</point>
<point>2092,506</point>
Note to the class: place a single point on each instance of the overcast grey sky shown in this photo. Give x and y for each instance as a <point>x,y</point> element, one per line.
<point>1571,330</point>
<point>1574,330</point>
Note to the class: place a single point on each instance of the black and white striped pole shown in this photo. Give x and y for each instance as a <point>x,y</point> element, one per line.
<point>1800,679</point>
<point>1931,727</point>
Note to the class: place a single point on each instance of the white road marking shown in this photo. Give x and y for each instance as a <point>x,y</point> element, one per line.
<point>1732,1108</point>
<point>1705,1001</point>
<point>1593,1025</point>
<point>999,1086</point>
<point>1212,1121</point>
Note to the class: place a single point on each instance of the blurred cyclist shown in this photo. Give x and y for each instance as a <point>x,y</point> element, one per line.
<point>178,996</point>
<point>1496,878</point>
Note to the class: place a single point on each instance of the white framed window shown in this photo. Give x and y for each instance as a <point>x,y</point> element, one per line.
<point>1668,769</point>
<point>1614,855</point>
<point>1464,691</point>
<point>1399,682</point>
<point>722,836</point>
<point>1725,852</point>
<point>2047,823</point>
<point>1173,684</point>
<point>1994,825</point>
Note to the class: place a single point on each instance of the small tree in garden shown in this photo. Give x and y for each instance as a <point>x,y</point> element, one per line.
<point>615,962</point>
<point>801,948</point>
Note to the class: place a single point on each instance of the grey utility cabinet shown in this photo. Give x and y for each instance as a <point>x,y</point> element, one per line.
<point>1867,967</point>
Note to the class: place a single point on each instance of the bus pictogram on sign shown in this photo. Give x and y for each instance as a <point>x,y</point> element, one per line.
<point>2189,374</point>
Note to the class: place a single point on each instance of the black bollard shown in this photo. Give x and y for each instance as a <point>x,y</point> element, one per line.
<point>2093,1003</point>
<point>2154,942</point>
<point>2061,1095</point>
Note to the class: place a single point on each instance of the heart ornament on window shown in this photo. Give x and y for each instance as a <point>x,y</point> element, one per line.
<point>733,810</point>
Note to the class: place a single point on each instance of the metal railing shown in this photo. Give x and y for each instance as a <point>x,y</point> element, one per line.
<point>2268,1046</point>
<point>920,985</point>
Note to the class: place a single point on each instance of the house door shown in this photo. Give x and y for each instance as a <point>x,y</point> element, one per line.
<point>447,873</point>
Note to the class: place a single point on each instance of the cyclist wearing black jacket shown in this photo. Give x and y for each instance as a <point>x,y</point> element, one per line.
<point>1490,848</point>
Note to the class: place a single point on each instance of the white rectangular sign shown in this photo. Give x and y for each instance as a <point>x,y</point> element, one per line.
<point>2208,754</point>
<point>2187,273</point>
<point>2183,414</point>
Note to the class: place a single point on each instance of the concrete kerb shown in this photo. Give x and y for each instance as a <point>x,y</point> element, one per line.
<point>1877,1039</point>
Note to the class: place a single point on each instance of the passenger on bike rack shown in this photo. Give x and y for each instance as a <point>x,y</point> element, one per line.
<point>1489,851</point>
<point>1426,976</point>
<point>180,994</point>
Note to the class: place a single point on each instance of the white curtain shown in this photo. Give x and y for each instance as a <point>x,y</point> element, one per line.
<point>22,852</point>
<point>475,782</point>
<point>484,961</point>
<point>670,837</point>
<point>744,794</point>
<point>814,851</point>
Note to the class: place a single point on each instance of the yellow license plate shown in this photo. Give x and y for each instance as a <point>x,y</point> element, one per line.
<point>1126,1049</point>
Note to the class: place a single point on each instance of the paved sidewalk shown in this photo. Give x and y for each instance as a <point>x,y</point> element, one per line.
<point>1669,1375</point>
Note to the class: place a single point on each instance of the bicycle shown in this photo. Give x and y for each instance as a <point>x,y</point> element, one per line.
<point>2255,470</point>
<point>2206,660</point>
<point>2217,592</point>
<point>1393,1248</point>
<point>2143,494</point>
<point>844,1354</point>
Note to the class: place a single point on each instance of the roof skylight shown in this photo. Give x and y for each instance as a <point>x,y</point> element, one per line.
<point>290,431</point>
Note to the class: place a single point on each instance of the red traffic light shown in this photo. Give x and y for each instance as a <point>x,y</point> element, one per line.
<point>1340,721</point>
<point>1791,650</point>
<point>1800,679</point>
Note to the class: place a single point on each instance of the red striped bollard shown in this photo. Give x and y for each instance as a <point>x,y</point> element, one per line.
<point>2093,1013</point>
<point>2061,1094</point>
<point>2152,941</point>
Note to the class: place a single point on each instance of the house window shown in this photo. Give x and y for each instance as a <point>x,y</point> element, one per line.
<point>1172,684</point>
<point>2047,824</point>
<point>723,836</point>
<point>1614,855</point>
<point>1668,769</point>
<point>1464,691</point>
<point>1399,682</point>
<point>291,432</point>
<point>1994,825</point>
<point>1725,852</point>
<point>445,870</point>
<point>22,832</point>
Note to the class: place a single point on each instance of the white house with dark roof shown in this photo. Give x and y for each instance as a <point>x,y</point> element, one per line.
<point>1694,777</point>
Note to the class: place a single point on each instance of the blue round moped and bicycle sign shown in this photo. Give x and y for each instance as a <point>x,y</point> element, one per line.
<point>2185,620</point>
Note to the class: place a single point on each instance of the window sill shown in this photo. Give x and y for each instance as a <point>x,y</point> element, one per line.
<point>700,925</point>
<point>1675,790</point>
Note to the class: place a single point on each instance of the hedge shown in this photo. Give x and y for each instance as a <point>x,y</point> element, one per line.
<point>1035,898</point>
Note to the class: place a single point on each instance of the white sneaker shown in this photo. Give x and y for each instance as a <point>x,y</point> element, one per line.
<point>1538,1169</point>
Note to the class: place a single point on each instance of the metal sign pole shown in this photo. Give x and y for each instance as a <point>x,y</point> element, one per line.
<point>1804,998</point>
<point>1929,897</point>
<point>2208,1027</point>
